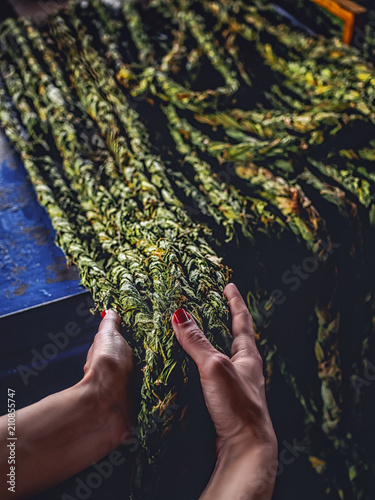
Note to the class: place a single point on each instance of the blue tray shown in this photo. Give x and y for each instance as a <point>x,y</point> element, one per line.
<point>33,269</point>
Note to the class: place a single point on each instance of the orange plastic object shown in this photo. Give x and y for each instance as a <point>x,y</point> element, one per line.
<point>351,13</point>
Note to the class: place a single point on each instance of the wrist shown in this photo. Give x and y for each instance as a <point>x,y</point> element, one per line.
<point>109,417</point>
<point>240,446</point>
<point>245,469</point>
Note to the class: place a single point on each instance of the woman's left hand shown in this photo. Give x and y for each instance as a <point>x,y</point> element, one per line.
<point>68,431</point>
<point>109,367</point>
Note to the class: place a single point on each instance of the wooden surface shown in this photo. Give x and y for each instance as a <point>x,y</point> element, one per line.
<point>37,11</point>
<point>349,6</point>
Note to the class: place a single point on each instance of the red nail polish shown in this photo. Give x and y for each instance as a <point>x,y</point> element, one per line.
<point>181,316</point>
<point>103,314</point>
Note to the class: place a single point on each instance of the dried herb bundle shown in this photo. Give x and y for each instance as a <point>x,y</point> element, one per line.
<point>168,139</point>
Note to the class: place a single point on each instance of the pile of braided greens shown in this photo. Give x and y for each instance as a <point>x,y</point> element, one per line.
<point>174,140</point>
<point>320,20</point>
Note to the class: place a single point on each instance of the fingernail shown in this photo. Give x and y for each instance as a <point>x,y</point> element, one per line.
<point>181,316</point>
<point>103,314</point>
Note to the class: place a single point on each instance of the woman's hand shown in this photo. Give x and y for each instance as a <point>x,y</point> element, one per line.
<point>67,432</point>
<point>234,392</point>
<point>108,371</point>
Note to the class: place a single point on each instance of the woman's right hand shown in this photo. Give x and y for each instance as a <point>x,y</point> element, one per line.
<point>234,393</point>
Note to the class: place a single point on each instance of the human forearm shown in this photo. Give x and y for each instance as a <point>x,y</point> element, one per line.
<point>59,436</point>
<point>243,472</point>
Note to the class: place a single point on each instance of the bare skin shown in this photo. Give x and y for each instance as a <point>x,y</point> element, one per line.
<point>233,389</point>
<point>60,431</point>
<point>58,436</point>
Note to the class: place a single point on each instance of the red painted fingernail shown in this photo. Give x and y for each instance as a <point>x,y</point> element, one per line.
<point>181,316</point>
<point>103,314</point>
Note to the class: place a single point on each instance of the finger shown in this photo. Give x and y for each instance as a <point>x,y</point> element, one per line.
<point>191,338</point>
<point>242,323</point>
<point>110,322</point>
<point>109,339</point>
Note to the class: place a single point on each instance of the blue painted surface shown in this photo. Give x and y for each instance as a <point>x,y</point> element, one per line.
<point>32,268</point>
